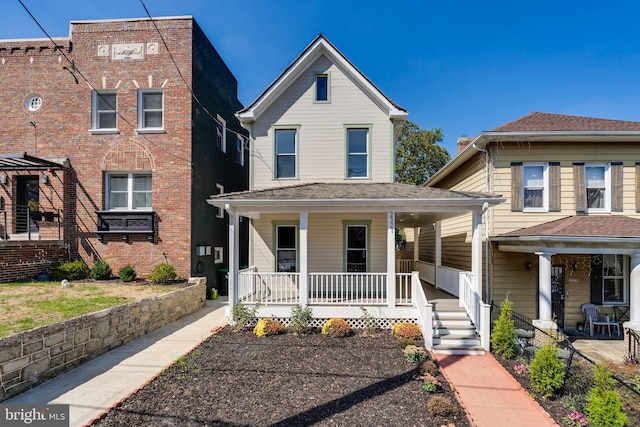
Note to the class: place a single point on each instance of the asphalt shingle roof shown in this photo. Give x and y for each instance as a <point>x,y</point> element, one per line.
<point>583,226</point>
<point>541,122</point>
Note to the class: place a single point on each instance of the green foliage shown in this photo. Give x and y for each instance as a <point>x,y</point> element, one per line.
<point>336,328</point>
<point>418,154</point>
<point>503,336</point>
<point>163,273</point>
<point>546,370</point>
<point>127,273</point>
<point>100,270</point>
<point>604,406</point>
<point>429,387</point>
<point>301,318</point>
<point>414,354</point>
<point>243,315</point>
<point>70,270</point>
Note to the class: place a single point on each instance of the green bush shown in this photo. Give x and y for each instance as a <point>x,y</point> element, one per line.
<point>546,370</point>
<point>100,270</point>
<point>301,318</point>
<point>162,273</point>
<point>244,316</point>
<point>503,336</point>
<point>70,270</point>
<point>604,406</point>
<point>414,354</point>
<point>127,273</point>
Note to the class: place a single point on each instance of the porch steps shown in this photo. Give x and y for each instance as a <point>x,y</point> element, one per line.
<point>453,331</point>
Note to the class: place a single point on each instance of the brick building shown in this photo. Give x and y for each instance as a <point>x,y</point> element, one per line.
<point>111,141</point>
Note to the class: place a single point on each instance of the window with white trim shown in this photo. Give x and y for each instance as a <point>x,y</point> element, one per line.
<point>150,109</point>
<point>221,134</point>
<point>286,248</point>
<point>129,191</point>
<point>535,187</point>
<point>613,279</point>
<point>598,188</point>
<point>356,246</point>
<point>240,144</point>
<point>357,152</point>
<point>104,110</point>
<point>285,153</point>
<point>220,189</point>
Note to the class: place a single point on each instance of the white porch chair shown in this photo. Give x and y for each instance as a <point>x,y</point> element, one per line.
<point>594,319</point>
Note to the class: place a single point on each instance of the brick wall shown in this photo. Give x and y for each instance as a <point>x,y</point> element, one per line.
<point>28,259</point>
<point>32,357</point>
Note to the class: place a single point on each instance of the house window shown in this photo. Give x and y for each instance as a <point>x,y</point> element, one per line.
<point>357,153</point>
<point>535,187</point>
<point>150,110</point>
<point>597,180</point>
<point>613,283</point>
<point>240,144</point>
<point>286,248</point>
<point>285,149</point>
<point>356,248</point>
<point>129,191</point>
<point>221,134</point>
<point>321,87</point>
<point>104,110</point>
<point>220,189</point>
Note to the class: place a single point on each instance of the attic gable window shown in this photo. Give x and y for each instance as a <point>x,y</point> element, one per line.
<point>321,88</point>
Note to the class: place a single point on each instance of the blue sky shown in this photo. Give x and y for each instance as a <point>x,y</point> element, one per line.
<point>463,66</point>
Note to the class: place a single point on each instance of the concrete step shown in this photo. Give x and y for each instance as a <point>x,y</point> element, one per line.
<point>466,331</point>
<point>458,350</point>
<point>456,341</point>
<point>449,322</point>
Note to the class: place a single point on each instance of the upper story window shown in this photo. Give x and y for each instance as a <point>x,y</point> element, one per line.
<point>103,110</point>
<point>597,181</point>
<point>129,191</point>
<point>356,248</point>
<point>150,110</point>
<point>220,189</point>
<point>535,186</point>
<point>240,144</point>
<point>598,187</point>
<point>321,87</point>
<point>285,153</point>
<point>221,134</point>
<point>357,153</point>
<point>286,248</point>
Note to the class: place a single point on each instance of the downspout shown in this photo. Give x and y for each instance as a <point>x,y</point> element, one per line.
<point>486,222</point>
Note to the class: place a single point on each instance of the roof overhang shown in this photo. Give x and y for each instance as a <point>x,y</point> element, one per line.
<point>26,162</point>
<point>568,244</point>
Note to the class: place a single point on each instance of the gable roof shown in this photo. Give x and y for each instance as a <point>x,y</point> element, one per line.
<point>319,46</point>
<point>541,122</point>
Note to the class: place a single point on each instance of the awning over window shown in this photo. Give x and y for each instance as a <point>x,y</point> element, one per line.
<point>26,162</point>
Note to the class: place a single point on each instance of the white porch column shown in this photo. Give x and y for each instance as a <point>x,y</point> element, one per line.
<point>234,253</point>
<point>416,245</point>
<point>476,251</point>
<point>438,260</point>
<point>544,320</point>
<point>391,259</point>
<point>304,267</point>
<point>634,294</point>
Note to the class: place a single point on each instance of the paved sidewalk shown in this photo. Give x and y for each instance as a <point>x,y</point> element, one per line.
<point>490,395</point>
<point>99,384</point>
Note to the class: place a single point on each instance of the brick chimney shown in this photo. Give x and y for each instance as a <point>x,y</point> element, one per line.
<point>463,141</point>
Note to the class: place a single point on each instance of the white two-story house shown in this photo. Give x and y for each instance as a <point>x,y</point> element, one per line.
<point>323,206</point>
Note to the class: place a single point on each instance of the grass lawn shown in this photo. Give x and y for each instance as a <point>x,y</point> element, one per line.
<point>27,305</point>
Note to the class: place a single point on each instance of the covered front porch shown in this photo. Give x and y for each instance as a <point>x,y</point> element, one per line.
<point>334,271</point>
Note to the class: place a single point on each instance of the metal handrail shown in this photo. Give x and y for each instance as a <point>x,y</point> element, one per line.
<point>634,343</point>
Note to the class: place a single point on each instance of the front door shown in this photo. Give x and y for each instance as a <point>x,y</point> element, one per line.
<point>27,197</point>
<point>557,294</point>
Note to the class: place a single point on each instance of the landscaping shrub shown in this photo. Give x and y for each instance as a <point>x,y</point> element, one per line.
<point>70,270</point>
<point>546,370</point>
<point>243,315</point>
<point>414,354</point>
<point>429,367</point>
<point>301,318</point>
<point>440,406</point>
<point>369,322</point>
<point>100,270</point>
<point>503,336</point>
<point>127,273</point>
<point>336,328</point>
<point>266,327</point>
<point>407,330</point>
<point>163,273</point>
<point>604,406</point>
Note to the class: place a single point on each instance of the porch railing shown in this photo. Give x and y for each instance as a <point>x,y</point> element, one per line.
<point>404,265</point>
<point>26,222</point>
<point>478,311</point>
<point>348,288</point>
<point>448,279</point>
<point>427,271</point>
<point>634,345</point>
<point>268,288</point>
<point>425,310</point>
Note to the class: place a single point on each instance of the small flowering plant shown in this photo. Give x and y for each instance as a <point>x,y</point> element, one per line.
<point>521,369</point>
<point>575,419</point>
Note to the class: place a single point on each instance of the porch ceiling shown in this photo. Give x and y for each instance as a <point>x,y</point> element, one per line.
<point>27,162</point>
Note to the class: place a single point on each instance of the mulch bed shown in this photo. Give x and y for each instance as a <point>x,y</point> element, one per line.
<point>237,379</point>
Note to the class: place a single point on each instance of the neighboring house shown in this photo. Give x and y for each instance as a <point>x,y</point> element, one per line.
<point>112,139</point>
<point>322,201</point>
<point>569,233</point>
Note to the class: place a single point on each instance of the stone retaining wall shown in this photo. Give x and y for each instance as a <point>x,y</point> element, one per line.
<point>32,357</point>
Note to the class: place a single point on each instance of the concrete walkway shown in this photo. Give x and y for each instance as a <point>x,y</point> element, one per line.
<point>98,385</point>
<point>490,395</point>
